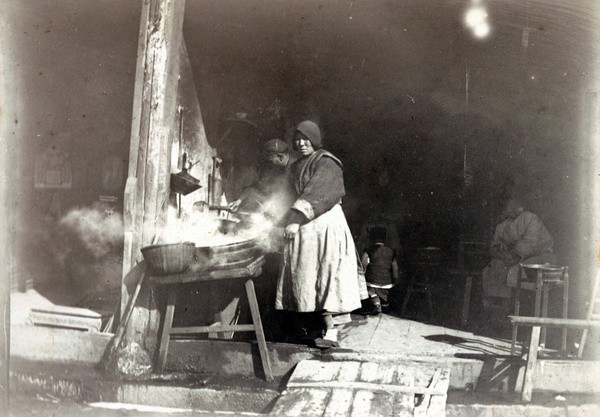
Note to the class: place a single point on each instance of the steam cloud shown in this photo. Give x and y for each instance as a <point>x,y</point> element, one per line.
<point>100,230</point>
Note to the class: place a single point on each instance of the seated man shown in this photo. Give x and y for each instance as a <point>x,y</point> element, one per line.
<point>520,238</point>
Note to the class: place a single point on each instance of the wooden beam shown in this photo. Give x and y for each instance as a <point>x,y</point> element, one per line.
<point>369,386</point>
<point>154,115</point>
<point>531,361</point>
<point>553,322</point>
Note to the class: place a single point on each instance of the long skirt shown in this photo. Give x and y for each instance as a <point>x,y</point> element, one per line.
<point>319,270</point>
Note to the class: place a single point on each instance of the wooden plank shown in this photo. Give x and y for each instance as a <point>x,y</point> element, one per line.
<point>387,374</point>
<point>369,372</point>
<point>58,319</point>
<point>315,405</point>
<point>531,360</point>
<point>404,404</point>
<point>423,407</point>
<point>368,386</point>
<point>313,372</point>
<point>437,403</point>
<point>371,404</point>
<point>250,270</point>
<point>349,371</point>
<point>258,329</point>
<point>223,328</point>
<point>229,316</point>
<point>567,376</point>
<point>361,404</point>
<point>553,322</point>
<point>291,403</point>
<point>166,331</point>
<point>340,403</point>
<point>67,311</point>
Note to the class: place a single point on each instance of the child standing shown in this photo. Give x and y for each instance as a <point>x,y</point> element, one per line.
<point>381,273</point>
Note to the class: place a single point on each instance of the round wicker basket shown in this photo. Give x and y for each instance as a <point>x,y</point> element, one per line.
<point>169,259</point>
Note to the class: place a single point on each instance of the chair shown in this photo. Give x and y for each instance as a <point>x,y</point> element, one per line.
<point>473,256</point>
<point>424,263</point>
<point>541,278</point>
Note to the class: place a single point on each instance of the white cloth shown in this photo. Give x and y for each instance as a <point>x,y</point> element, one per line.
<point>528,239</point>
<point>319,271</point>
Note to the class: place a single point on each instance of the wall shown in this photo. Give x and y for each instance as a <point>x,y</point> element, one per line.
<point>71,67</point>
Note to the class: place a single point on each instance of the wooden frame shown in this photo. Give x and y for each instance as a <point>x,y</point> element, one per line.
<point>536,323</point>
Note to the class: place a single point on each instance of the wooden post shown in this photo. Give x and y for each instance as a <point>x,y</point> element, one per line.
<point>531,361</point>
<point>154,115</point>
<point>4,329</point>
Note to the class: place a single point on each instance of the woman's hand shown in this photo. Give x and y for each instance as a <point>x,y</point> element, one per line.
<point>234,205</point>
<point>291,230</point>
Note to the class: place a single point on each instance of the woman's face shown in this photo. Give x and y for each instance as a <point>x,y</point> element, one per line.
<point>303,145</point>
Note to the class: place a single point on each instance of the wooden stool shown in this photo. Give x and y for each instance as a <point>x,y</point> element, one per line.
<point>547,276</point>
<point>420,282</point>
<point>171,281</point>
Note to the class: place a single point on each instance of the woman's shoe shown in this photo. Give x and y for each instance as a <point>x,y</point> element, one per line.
<point>329,340</point>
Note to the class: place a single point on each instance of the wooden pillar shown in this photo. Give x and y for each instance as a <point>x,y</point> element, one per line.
<point>10,132</point>
<point>4,321</point>
<point>154,116</point>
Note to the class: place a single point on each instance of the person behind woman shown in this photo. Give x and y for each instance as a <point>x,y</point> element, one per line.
<point>319,270</point>
<point>381,273</point>
<point>520,238</point>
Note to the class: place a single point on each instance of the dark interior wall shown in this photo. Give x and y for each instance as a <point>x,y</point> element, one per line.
<point>403,89</point>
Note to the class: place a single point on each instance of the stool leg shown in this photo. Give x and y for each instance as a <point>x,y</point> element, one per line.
<point>407,296</point>
<point>466,300</point>
<point>539,284</point>
<point>258,329</point>
<point>429,294</point>
<point>565,312</point>
<point>545,291</point>
<point>165,336</point>
<point>515,328</point>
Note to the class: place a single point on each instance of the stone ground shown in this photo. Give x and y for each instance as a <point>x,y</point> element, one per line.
<point>487,333</point>
<point>26,406</point>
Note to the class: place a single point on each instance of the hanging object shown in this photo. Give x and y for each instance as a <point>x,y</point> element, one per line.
<point>216,183</point>
<point>182,182</point>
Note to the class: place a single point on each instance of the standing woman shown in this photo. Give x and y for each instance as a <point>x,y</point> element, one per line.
<point>319,271</point>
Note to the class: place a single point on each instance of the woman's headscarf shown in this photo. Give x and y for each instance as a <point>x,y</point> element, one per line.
<point>312,132</point>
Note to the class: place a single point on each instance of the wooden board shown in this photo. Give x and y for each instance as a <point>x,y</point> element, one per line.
<point>67,317</point>
<point>355,388</point>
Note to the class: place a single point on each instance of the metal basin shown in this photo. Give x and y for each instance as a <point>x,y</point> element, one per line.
<point>225,256</point>
<point>549,272</point>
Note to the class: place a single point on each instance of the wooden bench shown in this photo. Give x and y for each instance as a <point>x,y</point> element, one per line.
<point>172,281</point>
<point>536,324</point>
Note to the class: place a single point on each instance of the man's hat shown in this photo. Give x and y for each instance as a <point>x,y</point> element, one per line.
<point>275,146</point>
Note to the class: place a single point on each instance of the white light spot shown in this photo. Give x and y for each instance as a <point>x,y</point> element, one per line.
<point>476,19</point>
<point>475,16</point>
<point>481,30</point>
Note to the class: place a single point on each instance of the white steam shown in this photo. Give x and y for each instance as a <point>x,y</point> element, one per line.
<point>99,230</point>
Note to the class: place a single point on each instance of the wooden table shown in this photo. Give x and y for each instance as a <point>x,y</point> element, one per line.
<point>171,282</point>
